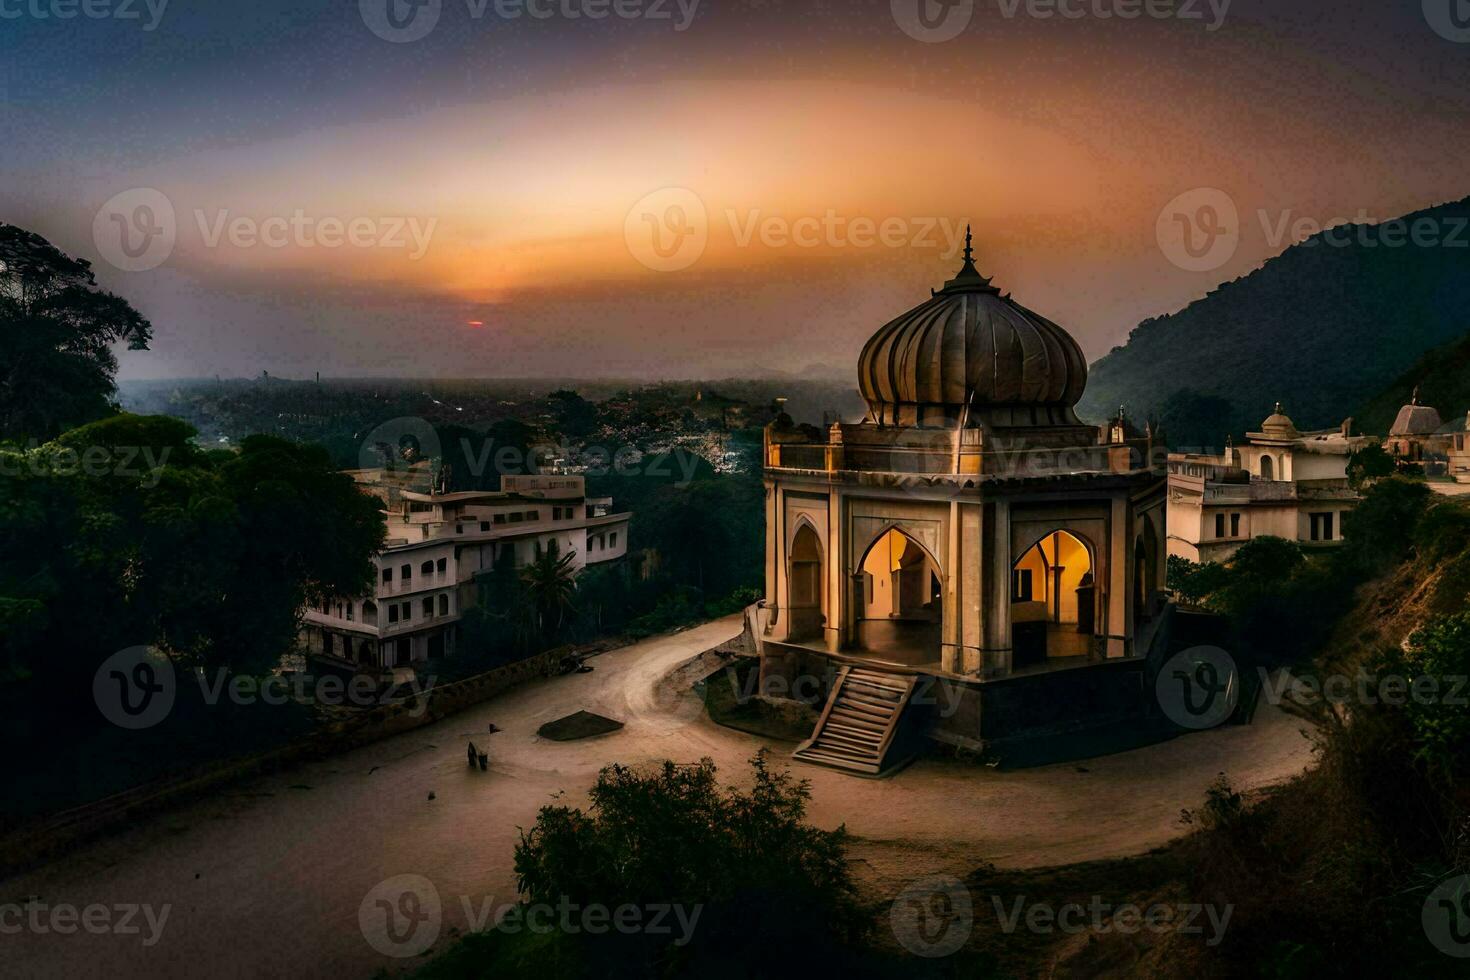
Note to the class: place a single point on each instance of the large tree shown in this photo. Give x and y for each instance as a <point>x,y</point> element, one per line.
<point>58,330</point>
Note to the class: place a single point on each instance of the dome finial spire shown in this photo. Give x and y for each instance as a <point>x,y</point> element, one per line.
<point>969,278</point>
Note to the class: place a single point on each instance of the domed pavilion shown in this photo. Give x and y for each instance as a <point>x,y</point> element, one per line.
<point>971,528</point>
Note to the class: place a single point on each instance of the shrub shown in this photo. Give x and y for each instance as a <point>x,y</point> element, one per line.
<point>753,877</point>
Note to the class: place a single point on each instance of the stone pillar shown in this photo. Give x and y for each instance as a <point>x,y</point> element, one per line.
<point>772,556</point>
<point>975,579</point>
<point>956,580</point>
<point>996,610</point>
<point>834,630</point>
<point>1119,623</point>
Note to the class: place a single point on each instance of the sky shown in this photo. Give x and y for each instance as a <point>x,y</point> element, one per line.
<point>695,188</point>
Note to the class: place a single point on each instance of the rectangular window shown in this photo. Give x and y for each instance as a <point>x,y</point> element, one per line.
<point>1219,525</point>
<point>387,575</point>
<point>516,517</point>
<point>440,564</point>
<point>533,515</point>
<point>499,518</point>
<point>405,574</point>
<point>612,540</point>
<point>1235,525</point>
<point>428,606</point>
<point>1327,527</point>
<point>1021,585</point>
<point>444,604</point>
<point>393,613</point>
<point>484,525</point>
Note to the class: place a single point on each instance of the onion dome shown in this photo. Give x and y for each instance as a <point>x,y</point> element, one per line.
<point>971,356</point>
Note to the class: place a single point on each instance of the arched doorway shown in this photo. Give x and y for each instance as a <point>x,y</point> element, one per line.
<point>1267,468</point>
<point>1053,601</point>
<point>899,601</point>
<point>807,595</point>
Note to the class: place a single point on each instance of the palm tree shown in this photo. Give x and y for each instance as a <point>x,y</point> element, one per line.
<point>550,582</point>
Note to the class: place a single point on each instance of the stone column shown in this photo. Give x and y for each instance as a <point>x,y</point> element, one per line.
<point>971,623</point>
<point>1120,603</point>
<point>996,610</point>
<point>834,630</point>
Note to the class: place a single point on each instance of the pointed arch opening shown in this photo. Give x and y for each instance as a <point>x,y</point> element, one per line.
<point>1053,601</point>
<point>899,600</point>
<point>807,579</point>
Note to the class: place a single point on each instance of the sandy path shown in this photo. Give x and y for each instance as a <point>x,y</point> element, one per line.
<point>268,880</point>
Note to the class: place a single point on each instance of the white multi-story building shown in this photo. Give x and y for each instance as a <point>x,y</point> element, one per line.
<point>438,543</point>
<point>1282,483</point>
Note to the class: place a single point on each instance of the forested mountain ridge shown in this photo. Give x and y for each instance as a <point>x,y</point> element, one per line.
<point>1324,328</point>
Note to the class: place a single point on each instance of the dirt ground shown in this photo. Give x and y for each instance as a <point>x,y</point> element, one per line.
<point>268,880</point>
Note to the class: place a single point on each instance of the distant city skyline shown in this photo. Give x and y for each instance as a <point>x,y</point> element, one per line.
<point>483,200</point>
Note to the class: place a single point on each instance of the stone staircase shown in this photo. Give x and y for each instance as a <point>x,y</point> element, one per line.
<point>858,727</point>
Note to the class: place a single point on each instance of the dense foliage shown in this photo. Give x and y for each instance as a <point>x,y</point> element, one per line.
<point>771,894</point>
<point>57,328</point>
<point>123,533</point>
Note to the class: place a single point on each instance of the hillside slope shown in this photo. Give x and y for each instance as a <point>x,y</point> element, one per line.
<point>1443,378</point>
<point>1321,327</point>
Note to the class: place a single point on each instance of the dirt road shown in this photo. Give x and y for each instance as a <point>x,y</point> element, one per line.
<point>268,880</point>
